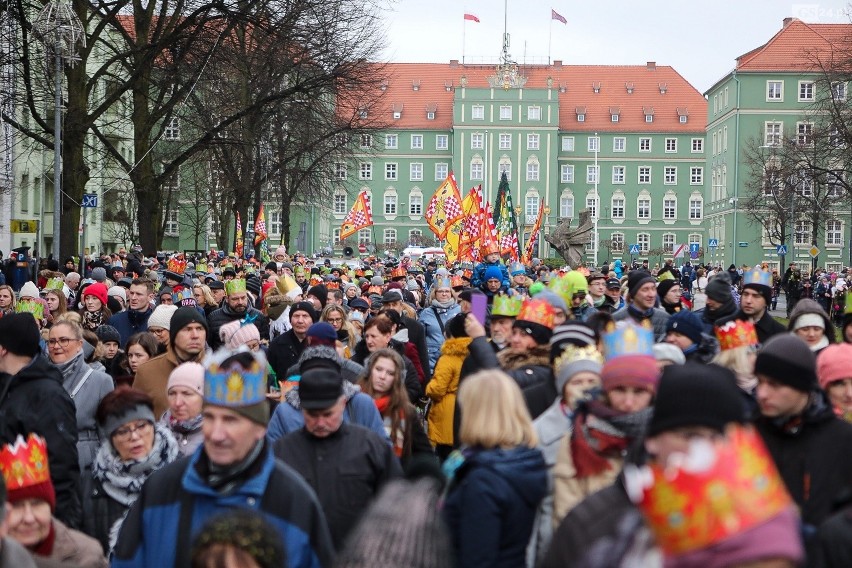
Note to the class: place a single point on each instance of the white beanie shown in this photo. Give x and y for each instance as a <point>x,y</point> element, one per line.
<point>233,334</point>
<point>162,316</point>
<point>28,290</point>
<point>117,291</point>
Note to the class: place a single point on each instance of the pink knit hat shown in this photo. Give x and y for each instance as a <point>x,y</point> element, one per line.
<point>233,334</point>
<point>634,370</point>
<point>834,363</point>
<point>189,375</point>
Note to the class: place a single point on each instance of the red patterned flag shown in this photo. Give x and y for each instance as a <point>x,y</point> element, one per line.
<point>471,226</point>
<point>238,241</point>
<point>554,15</point>
<point>444,208</point>
<point>528,250</point>
<point>259,227</point>
<point>471,17</point>
<point>359,217</point>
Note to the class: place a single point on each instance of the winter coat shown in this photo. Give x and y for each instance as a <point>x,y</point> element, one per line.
<point>478,278</point>
<point>704,351</point>
<point>360,409</point>
<point>807,306</point>
<point>833,547</point>
<point>659,319</point>
<point>87,388</point>
<point>699,293</point>
<point>417,336</point>
<point>411,379</point>
<point>130,322</point>
<point>442,390</point>
<point>33,401</point>
<point>152,377</point>
<point>349,370</point>
<point>491,505</point>
<point>527,367</point>
<point>346,470</point>
<point>13,555</point>
<point>224,315</point>
<point>100,511</point>
<point>434,320</point>
<point>187,440</point>
<point>156,533</point>
<point>284,352</point>
<point>73,548</point>
<point>540,397</point>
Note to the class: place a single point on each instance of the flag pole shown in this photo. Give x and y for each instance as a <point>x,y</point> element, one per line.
<point>549,39</point>
<point>464,29</point>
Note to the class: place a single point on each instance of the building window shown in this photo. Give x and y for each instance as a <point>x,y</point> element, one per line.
<point>442,169</point>
<point>476,170</point>
<point>643,208</point>
<point>696,208</point>
<point>725,139</point>
<point>618,207</point>
<point>804,131</point>
<point>476,141</point>
<point>803,232</point>
<point>532,141</point>
<point>415,204</point>
<point>775,91</point>
<point>644,242</point>
<point>619,144</point>
<point>671,145</point>
<point>592,205</point>
<point>532,171</point>
<point>696,176</point>
<point>567,173</point>
<point>416,141</point>
<point>505,112</point>
<point>415,171</point>
<point>697,145</point>
<point>592,174</point>
<point>694,238</point>
<point>340,170</point>
<point>335,234</point>
<point>581,117</point>
<point>365,171</point>
<point>442,142</point>
<point>567,143</point>
<point>806,90</point>
<point>172,223</point>
<point>644,144</point>
<point>683,118</point>
<point>275,222</point>
<point>594,143</point>
<point>391,141</point>
<point>833,233</point>
<point>390,171</point>
<point>670,175</point>
<point>668,242</point>
<point>364,236</point>
<point>415,236</point>
<point>772,133</point>
<point>616,242</point>
<point>534,113</point>
<point>340,207</point>
<point>649,118</point>
<point>617,174</point>
<point>390,236</point>
<point>172,131</point>
<point>505,167</point>
<point>531,207</point>
<point>644,174</point>
<point>805,186</point>
<point>566,205</point>
<point>390,203</point>
<point>834,181</point>
<point>366,141</point>
<point>669,208</point>
<point>838,91</point>
<point>505,141</point>
<point>477,112</point>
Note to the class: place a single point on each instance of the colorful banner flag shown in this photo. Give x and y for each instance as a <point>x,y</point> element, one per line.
<point>505,220</point>
<point>554,15</point>
<point>530,246</point>
<point>470,230</point>
<point>445,207</point>
<point>238,241</point>
<point>359,217</point>
<point>259,227</point>
<point>471,17</point>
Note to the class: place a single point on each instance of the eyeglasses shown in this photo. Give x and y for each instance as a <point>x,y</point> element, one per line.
<point>62,341</point>
<point>125,433</point>
<point>334,320</point>
<point>158,330</point>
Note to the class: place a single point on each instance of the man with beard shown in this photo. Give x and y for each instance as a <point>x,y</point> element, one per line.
<point>236,308</point>
<point>641,298</point>
<point>720,302</point>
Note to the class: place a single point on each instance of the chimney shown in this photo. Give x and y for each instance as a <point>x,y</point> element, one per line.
<point>557,63</point>
<point>454,62</point>
<point>651,65</point>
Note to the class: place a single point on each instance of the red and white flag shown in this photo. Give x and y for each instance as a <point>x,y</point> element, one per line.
<point>473,18</point>
<point>554,15</point>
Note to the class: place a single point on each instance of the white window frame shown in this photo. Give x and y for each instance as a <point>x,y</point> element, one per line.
<point>476,170</point>
<point>592,204</point>
<point>669,208</point>
<point>477,141</point>
<point>670,175</point>
<point>391,204</point>
<point>594,143</point>
<point>366,141</point>
<point>172,130</point>
<point>773,132</point>
<point>532,204</point>
<point>838,90</point>
<point>644,242</point>
<point>644,144</point>
<point>643,207</point>
<point>806,91</point>
<point>276,222</point>
<point>340,203</point>
<point>804,229</point>
<point>505,165</point>
<point>335,235</point>
<point>774,91</point>
<point>391,171</point>
<point>415,171</point>
<point>696,208</point>
<point>341,171</point>
<point>415,204</point>
<point>617,206</point>
<point>442,142</point>
<point>533,170</point>
<point>533,113</point>
<point>567,143</point>
<point>616,242</point>
<point>171,223</point>
<point>593,173</point>
<point>566,205</point>
<point>671,145</point>
<point>506,112</point>
<point>644,175</point>
<point>365,236</point>
<point>505,141</point>
<point>477,112</point>
<point>804,133</point>
<point>442,170</point>
<point>416,141</point>
<point>391,141</point>
<point>668,241</point>
<point>618,174</point>
<point>834,233</point>
<point>389,236</point>
<point>567,173</point>
<point>365,171</point>
<point>696,175</point>
<point>533,141</point>
<point>619,144</point>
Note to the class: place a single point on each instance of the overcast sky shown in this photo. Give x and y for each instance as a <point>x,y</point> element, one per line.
<point>699,39</point>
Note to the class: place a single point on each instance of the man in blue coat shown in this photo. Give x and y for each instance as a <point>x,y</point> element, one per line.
<point>135,318</point>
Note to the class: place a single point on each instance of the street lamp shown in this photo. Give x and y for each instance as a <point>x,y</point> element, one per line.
<point>60,30</point>
<point>597,200</point>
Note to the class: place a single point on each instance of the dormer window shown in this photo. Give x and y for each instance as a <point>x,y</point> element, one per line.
<point>563,87</point>
<point>415,85</point>
<point>613,113</point>
<point>397,111</point>
<point>649,114</point>
<point>581,114</point>
<point>596,87</point>
<point>629,86</point>
<point>384,85</point>
<point>663,88</point>
<point>448,86</point>
<point>362,113</point>
<point>430,111</point>
<point>682,114</point>
<point>430,116</point>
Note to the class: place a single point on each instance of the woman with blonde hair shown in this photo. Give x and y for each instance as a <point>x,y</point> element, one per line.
<point>204,298</point>
<point>7,300</point>
<point>337,317</point>
<point>498,479</point>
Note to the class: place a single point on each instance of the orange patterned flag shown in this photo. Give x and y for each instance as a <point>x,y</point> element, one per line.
<point>444,208</point>
<point>359,217</point>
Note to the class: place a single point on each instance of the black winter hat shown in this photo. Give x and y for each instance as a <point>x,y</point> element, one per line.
<point>182,317</point>
<point>664,287</point>
<point>719,288</point>
<point>788,360</point>
<point>687,324</point>
<point>108,333</point>
<point>636,279</point>
<point>304,307</point>
<point>19,334</point>
<point>253,285</point>
<point>697,395</point>
<point>320,388</point>
<point>320,292</point>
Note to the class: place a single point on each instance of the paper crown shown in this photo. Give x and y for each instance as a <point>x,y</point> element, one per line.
<point>490,247</point>
<point>30,306</point>
<point>572,353</point>
<point>457,282</point>
<point>467,274</point>
<point>183,297</point>
<point>176,265</point>
<point>847,308</point>
<point>54,284</point>
<point>24,462</point>
<point>287,286</point>
<point>235,286</point>
<point>717,491</point>
<point>234,385</point>
<point>569,284</point>
<point>332,285</point>
<point>736,333</point>
<point>667,275</point>
<point>517,268</point>
<point>507,306</point>
<point>627,338</point>
<point>537,311</point>
<point>758,276</point>
<point>201,266</point>
<point>443,283</point>
<point>398,272</point>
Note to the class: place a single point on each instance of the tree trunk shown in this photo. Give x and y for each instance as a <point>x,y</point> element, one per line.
<point>75,171</point>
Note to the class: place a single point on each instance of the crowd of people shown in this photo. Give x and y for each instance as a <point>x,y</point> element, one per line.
<point>217,411</point>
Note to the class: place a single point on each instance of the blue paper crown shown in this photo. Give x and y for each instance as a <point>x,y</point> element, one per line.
<point>443,283</point>
<point>235,385</point>
<point>628,339</point>
<point>758,276</point>
<point>517,268</point>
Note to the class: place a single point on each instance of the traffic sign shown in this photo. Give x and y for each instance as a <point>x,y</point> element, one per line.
<point>743,244</point>
<point>678,250</point>
<point>90,200</point>
<point>713,243</point>
<point>781,250</point>
<point>814,251</point>
<point>362,247</point>
<point>634,249</point>
<point>694,247</point>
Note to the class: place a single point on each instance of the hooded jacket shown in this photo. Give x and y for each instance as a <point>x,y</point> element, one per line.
<point>434,319</point>
<point>224,315</point>
<point>808,306</point>
<point>442,390</point>
<point>491,506</point>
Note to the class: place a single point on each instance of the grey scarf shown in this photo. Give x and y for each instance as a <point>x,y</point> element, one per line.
<point>74,367</point>
<point>444,305</point>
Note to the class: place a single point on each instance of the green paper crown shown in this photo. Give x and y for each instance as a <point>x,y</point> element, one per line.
<point>507,306</point>
<point>54,284</point>
<point>30,306</point>
<point>235,286</point>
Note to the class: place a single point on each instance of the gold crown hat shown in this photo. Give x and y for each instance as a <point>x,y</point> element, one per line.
<point>175,267</point>
<point>627,338</point>
<point>287,286</point>
<point>236,380</point>
<point>736,333</point>
<point>25,469</point>
<point>507,306</point>
<point>573,359</point>
<point>758,277</point>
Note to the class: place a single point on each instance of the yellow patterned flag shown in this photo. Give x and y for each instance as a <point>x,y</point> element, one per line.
<point>465,233</point>
<point>444,208</point>
<point>359,217</point>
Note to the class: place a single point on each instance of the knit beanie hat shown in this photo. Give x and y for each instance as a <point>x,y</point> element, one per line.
<point>107,333</point>
<point>637,279</point>
<point>553,299</point>
<point>19,334</point>
<point>669,352</point>
<point>788,360</point>
<point>322,333</point>
<point>719,288</point>
<point>492,272</point>
<point>320,292</point>
<point>664,287</point>
<point>182,317</point>
<point>162,316</point>
<point>697,395</point>
<point>833,364</point>
<point>99,274</point>
<point>98,290</point>
<point>686,323</point>
<point>117,291</point>
<point>234,333</point>
<point>634,370</point>
<point>30,290</point>
<point>189,375</point>
<point>253,285</point>
<point>304,307</point>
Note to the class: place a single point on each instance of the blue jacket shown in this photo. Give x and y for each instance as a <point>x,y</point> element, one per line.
<point>478,278</point>
<point>129,322</point>
<point>491,506</point>
<point>435,329</point>
<point>158,532</point>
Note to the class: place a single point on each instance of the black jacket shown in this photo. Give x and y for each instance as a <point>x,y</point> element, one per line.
<point>224,315</point>
<point>540,397</point>
<point>347,469</point>
<point>284,352</point>
<point>833,547</point>
<point>100,511</point>
<point>417,336</point>
<point>34,401</point>
<point>412,381</point>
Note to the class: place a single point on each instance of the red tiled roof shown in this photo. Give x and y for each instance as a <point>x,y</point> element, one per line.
<point>796,46</point>
<point>646,81</point>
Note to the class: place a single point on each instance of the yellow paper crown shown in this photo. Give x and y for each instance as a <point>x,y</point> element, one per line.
<point>24,462</point>
<point>32,306</point>
<point>569,284</point>
<point>537,311</point>
<point>507,306</point>
<point>737,487</point>
<point>736,333</point>
<point>287,286</point>
<point>572,353</point>
<point>758,276</point>
<point>628,338</point>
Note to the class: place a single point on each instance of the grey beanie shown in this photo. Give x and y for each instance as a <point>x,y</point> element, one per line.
<point>568,370</point>
<point>719,288</point>
<point>99,273</point>
<point>553,299</point>
<point>377,281</point>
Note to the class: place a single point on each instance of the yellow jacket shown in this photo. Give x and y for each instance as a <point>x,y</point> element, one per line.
<point>443,387</point>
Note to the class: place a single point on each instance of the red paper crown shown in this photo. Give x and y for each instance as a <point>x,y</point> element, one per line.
<point>457,282</point>
<point>692,507</point>
<point>24,463</point>
<point>398,272</point>
<point>490,248</point>
<point>537,311</point>
<point>176,264</point>
<point>736,333</point>
<point>332,286</point>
